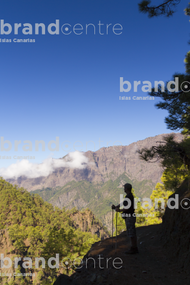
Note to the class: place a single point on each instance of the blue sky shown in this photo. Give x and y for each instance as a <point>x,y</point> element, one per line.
<point>68,86</point>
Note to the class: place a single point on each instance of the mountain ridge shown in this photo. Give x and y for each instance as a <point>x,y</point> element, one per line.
<point>104,164</point>
<point>100,184</point>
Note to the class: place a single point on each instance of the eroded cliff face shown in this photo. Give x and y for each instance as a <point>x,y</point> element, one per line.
<point>104,164</point>
<point>86,221</point>
<point>176,228</point>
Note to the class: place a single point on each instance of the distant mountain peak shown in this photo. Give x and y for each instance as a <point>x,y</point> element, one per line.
<point>103,164</point>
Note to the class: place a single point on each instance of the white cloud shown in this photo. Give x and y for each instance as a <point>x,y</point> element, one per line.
<point>31,170</point>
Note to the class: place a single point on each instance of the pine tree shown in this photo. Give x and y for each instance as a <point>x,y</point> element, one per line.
<point>165,8</point>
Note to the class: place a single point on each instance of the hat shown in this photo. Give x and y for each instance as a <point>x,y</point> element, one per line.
<point>128,186</point>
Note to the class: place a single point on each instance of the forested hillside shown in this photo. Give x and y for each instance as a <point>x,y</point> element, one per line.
<point>96,197</point>
<point>35,228</point>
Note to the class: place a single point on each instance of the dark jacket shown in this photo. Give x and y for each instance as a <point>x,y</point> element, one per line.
<point>131,210</point>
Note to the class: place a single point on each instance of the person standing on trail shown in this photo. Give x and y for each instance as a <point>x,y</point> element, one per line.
<point>129,216</point>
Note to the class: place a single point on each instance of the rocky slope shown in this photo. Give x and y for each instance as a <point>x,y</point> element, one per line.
<point>106,264</point>
<point>176,228</point>
<point>164,253</point>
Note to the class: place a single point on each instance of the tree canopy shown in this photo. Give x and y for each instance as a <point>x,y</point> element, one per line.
<point>165,8</point>
<point>174,156</point>
<point>37,229</point>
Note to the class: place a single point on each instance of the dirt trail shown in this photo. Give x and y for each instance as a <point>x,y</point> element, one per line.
<point>151,266</point>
